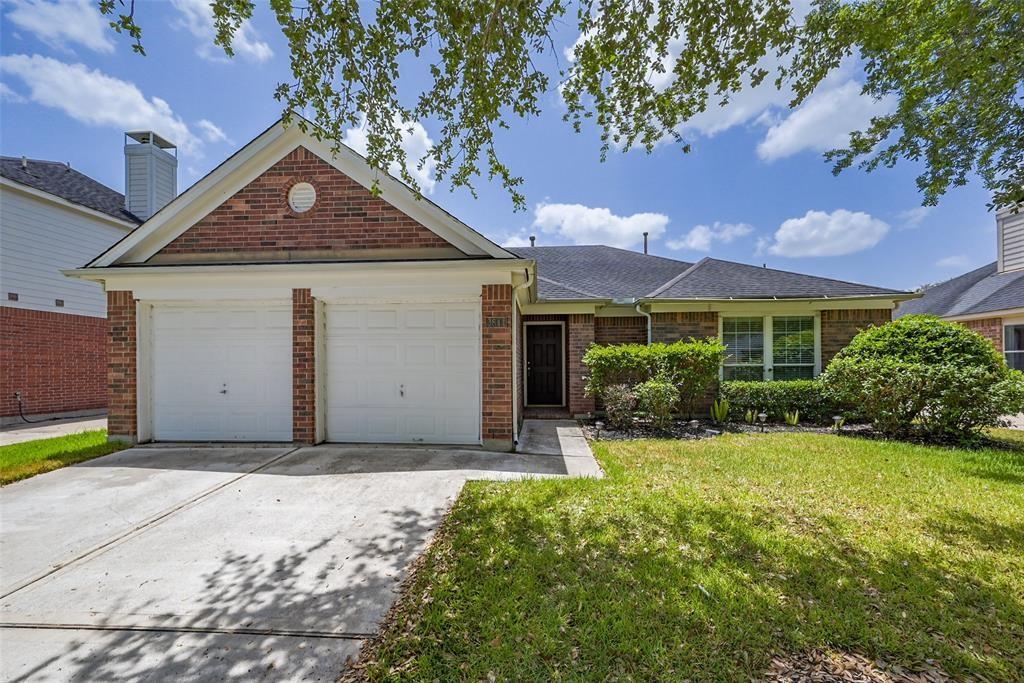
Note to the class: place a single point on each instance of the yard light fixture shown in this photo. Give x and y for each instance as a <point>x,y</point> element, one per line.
<point>693,424</point>
<point>762,418</point>
<point>598,426</point>
<point>837,422</point>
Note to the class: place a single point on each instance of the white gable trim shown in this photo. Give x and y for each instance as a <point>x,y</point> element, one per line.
<point>256,158</point>
<point>71,206</point>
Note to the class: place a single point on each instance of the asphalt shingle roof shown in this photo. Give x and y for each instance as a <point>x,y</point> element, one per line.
<point>598,272</point>
<point>58,179</point>
<point>980,291</point>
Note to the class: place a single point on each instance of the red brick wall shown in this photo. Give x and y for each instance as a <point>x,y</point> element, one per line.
<point>496,354</point>
<point>625,330</point>
<point>57,361</point>
<point>303,367</point>
<point>122,418</point>
<point>990,328</point>
<point>673,327</point>
<point>345,216</point>
<point>839,327</point>
<point>580,333</point>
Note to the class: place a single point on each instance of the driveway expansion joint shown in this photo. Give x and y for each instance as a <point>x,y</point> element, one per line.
<point>242,631</point>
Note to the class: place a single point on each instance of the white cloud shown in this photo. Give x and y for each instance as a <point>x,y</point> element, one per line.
<point>587,225</point>
<point>823,122</point>
<point>8,95</point>
<point>416,143</point>
<point>517,240</point>
<point>212,132</point>
<point>912,218</point>
<point>701,237</point>
<point>62,23</point>
<point>818,233</point>
<point>197,17</point>
<point>957,261</point>
<point>91,97</point>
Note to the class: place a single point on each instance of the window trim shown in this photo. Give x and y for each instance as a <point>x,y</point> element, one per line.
<point>768,336</point>
<point>1006,332</point>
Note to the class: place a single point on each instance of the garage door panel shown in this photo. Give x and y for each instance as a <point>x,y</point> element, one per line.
<point>403,373</point>
<point>221,373</point>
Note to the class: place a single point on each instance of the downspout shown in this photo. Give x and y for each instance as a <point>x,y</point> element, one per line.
<point>517,371</point>
<point>649,321</point>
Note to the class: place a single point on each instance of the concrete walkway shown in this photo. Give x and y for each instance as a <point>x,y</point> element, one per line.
<point>221,563</point>
<point>562,438</point>
<point>19,433</point>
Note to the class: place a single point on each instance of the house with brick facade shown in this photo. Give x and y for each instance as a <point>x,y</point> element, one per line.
<point>990,299</point>
<point>296,295</point>
<point>53,330</point>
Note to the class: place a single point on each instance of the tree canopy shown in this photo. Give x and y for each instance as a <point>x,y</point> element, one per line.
<point>641,69</point>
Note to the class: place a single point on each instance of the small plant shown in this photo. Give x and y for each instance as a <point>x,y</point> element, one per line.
<point>657,398</point>
<point>750,416</point>
<point>720,410</point>
<point>837,423</point>
<point>619,406</point>
<point>792,417</point>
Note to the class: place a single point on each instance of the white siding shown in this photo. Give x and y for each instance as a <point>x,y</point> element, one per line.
<point>1011,240</point>
<point>38,239</point>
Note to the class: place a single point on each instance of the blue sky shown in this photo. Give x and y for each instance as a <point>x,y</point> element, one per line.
<point>754,189</point>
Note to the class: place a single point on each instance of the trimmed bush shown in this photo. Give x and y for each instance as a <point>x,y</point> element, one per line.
<point>619,406</point>
<point>657,399</point>
<point>922,373</point>
<point>692,366</point>
<point>780,397</point>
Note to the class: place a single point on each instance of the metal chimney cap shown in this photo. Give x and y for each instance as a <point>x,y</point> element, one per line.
<point>147,137</point>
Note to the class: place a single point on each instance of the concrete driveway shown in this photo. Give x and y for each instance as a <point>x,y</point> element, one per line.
<point>219,563</point>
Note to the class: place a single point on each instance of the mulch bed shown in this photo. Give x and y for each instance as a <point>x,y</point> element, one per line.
<point>820,665</point>
<point>704,429</point>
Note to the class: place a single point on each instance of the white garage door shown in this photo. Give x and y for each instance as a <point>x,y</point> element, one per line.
<point>403,373</point>
<point>222,373</point>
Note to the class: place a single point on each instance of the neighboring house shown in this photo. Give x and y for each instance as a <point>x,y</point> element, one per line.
<point>53,330</point>
<point>279,299</point>
<point>990,299</point>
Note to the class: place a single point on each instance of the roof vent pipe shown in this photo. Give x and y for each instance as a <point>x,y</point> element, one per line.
<point>533,240</point>
<point>645,242</point>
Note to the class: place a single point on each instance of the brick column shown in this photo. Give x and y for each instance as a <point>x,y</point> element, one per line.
<point>496,356</point>
<point>989,328</point>
<point>681,326</point>
<point>839,327</point>
<point>122,388</point>
<point>581,336</point>
<point>303,367</point>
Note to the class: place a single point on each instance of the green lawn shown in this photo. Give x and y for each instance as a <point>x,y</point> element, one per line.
<point>22,460</point>
<point>702,560</point>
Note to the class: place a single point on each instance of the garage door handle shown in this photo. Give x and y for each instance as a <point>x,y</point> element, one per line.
<point>224,390</point>
<point>401,390</point>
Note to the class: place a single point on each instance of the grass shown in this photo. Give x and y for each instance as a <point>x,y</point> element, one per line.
<point>23,460</point>
<point>703,560</point>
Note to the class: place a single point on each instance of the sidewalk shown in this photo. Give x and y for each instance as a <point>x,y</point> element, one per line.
<point>44,430</point>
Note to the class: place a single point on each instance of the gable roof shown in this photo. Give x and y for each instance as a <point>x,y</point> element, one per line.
<point>257,156</point>
<point>60,180</point>
<point>599,272</point>
<point>983,290</point>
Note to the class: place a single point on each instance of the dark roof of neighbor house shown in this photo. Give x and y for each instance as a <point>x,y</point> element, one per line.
<point>599,272</point>
<point>59,179</point>
<point>980,291</point>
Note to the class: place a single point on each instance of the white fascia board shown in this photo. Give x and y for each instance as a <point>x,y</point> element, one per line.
<point>64,203</point>
<point>253,160</point>
<point>1002,313</point>
<point>770,305</point>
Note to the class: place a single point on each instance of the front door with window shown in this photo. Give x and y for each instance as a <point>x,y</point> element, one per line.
<point>544,361</point>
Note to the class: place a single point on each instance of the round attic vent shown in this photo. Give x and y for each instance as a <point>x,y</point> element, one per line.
<point>301,197</point>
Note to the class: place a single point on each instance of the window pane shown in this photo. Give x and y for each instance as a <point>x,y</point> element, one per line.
<point>744,340</point>
<point>1014,338</point>
<point>1015,359</point>
<point>743,372</point>
<point>793,340</point>
<point>784,372</point>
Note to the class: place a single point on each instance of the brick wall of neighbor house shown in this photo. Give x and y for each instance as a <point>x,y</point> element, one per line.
<point>121,369</point>
<point>990,328</point>
<point>57,361</point>
<point>496,354</point>
<point>673,327</point>
<point>580,333</point>
<point>346,216</point>
<point>839,327</point>
<point>303,367</point>
<point>620,330</point>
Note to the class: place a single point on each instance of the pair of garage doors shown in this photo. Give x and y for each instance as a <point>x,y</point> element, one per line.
<point>391,373</point>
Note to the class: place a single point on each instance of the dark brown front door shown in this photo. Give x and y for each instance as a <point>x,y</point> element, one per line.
<point>544,365</point>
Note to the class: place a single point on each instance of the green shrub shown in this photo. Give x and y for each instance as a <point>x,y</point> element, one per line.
<point>792,417</point>
<point>657,398</point>
<point>922,373</point>
<point>619,406</point>
<point>780,397</point>
<point>692,366</point>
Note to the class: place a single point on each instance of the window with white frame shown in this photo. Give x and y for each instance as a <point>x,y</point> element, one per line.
<point>767,347</point>
<point>1013,346</point>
